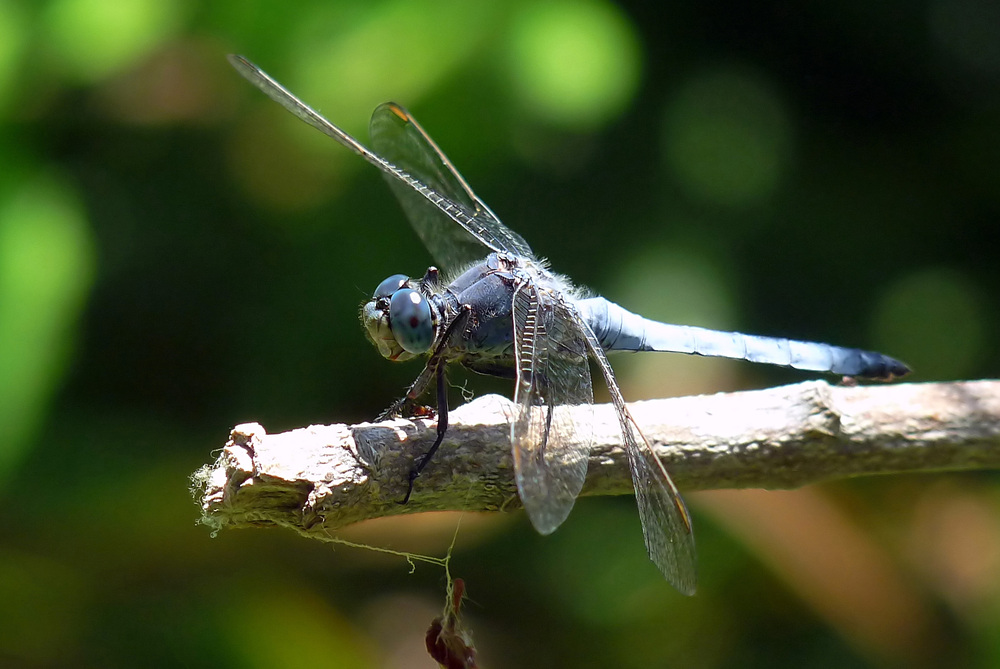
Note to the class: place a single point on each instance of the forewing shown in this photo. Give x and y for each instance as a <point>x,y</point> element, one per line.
<point>289,101</point>
<point>397,136</point>
<point>666,523</point>
<point>552,432</point>
<point>451,218</point>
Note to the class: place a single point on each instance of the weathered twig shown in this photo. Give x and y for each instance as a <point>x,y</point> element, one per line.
<point>320,478</point>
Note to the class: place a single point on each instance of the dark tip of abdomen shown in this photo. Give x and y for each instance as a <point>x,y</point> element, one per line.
<point>883,368</point>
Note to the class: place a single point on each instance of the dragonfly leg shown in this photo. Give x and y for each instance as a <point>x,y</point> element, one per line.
<point>415,390</point>
<point>442,427</point>
<point>396,408</point>
<point>436,366</point>
<point>419,385</point>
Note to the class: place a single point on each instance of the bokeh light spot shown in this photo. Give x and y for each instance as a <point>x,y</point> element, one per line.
<point>396,50</point>
<point>286,176</point>
<point>574,63</point>
<point>95,38</point>
<point>728,139</point>
<point>934,320</point>
<point>13,36</point>
<point>46,266</point>
<point>289,627</point>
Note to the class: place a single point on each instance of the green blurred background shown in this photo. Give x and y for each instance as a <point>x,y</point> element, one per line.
<point>179,255</point>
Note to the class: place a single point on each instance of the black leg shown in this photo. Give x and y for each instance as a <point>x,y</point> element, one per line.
<point>442,428</point>
<point>437,363</point>
<point>418,387</point>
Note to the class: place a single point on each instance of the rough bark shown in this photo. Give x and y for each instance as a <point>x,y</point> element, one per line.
<point>323,477</point>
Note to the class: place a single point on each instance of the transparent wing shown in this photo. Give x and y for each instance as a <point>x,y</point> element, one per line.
<point>480,224</point>
<point>666,523</point>
<point>553,382</point>
<point>398,137</point>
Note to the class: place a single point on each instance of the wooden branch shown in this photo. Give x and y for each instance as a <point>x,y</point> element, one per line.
<point>323,477</point>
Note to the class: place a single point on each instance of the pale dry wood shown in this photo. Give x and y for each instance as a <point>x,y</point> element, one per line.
<point>321,478</point>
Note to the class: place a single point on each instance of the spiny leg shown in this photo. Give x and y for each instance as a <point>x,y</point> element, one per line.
<point>415,390</point>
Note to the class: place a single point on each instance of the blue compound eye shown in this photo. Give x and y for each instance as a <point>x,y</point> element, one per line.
<point>410,320</point>
<point>390,285</point>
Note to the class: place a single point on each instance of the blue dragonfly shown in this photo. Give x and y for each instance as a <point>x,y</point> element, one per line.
<point>502,312</point>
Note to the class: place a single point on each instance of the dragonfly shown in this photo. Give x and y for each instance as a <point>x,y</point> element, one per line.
<point>499,310</point>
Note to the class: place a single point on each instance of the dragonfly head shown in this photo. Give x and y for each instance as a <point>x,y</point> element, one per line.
<point>398,319</point>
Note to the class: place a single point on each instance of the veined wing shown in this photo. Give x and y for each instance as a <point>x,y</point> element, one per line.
<point>553,383</point>
<point>397,136</point>
<point>483,228</point>
<point>666,523</point>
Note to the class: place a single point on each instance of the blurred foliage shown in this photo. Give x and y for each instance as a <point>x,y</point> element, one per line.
<point>178,255</point>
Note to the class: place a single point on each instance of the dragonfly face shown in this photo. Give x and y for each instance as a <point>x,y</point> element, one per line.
<point>398,319</point>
